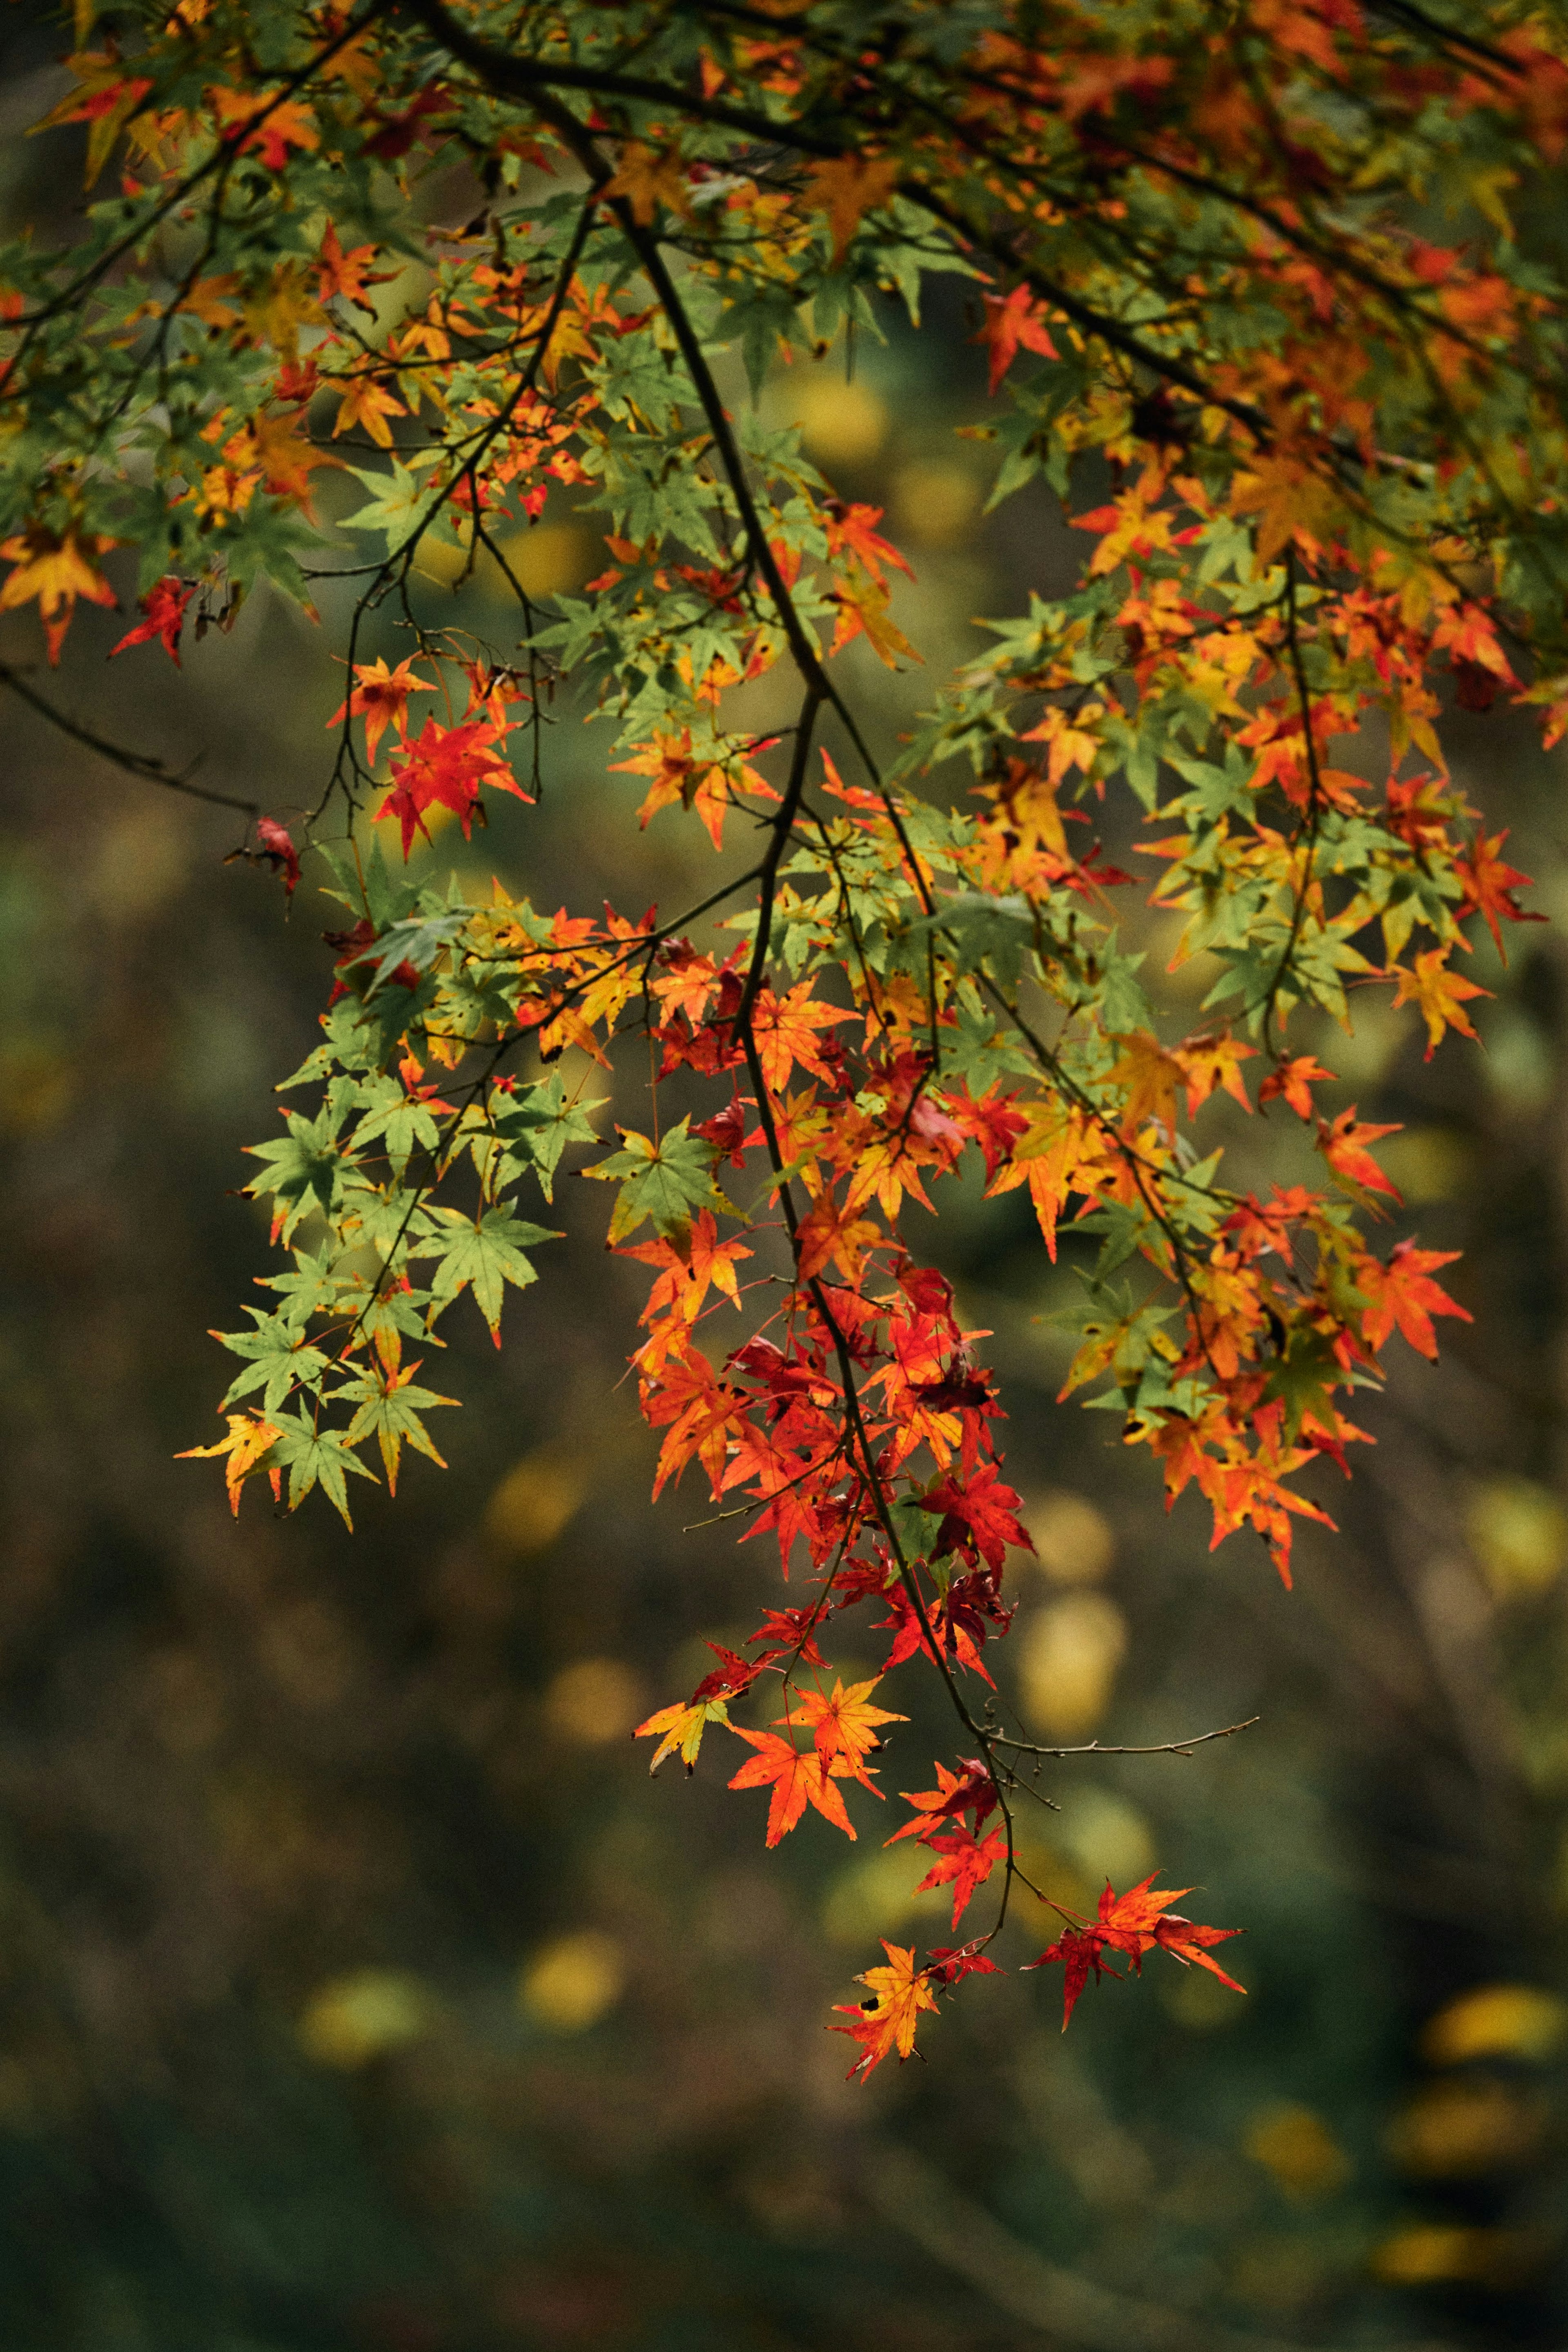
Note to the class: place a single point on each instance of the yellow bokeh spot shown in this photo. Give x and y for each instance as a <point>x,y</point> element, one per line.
<point>570,1984</point>
<point>1106,1836</point>
<point>1428,1163</point>
<point>1297,2149</point>
<point>842,424</point>
<point>1518,1534</point>
<point>440,560</point>
<point>594,1700</point>
<point>935,502</point>
<point>1428,2253</point>
<point>1500,2021</point>
<point>1456,2128</point>
<point>546,559</point>
<point>538,1499</point>
<point>350,2020</point>
<point>1072,1540</point>
<point>1068,1655</point>
<point>875,1894</point>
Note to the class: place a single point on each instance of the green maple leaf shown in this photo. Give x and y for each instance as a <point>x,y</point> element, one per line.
<point>317,1456</point>
<point>390,1409</point>
<point>281,1360</point>
<point>542,1122</point>
<point>483,1256</point>
<point>1305,1377</point>
<point>667,1181</point>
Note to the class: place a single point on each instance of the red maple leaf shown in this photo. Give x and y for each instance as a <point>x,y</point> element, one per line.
<point>276,845</point>
<point>1134,1925</point>
<point>447,767</point>
<point>963,1863</point>
<point>165,608</point>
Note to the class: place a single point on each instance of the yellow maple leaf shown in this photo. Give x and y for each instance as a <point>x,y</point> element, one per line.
<point>649,177</point>
<point>367,404</point>
<point>1439,993</point>
<point>249,1438</point>
<point>862,604</point>
<point>886,2021</point>
<point>56,569</point>
<point>1150,1077</point>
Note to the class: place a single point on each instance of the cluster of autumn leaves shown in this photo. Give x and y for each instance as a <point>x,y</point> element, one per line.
<point>917,986</point>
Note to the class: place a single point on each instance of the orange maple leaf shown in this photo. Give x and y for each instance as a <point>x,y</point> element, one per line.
<point>796,1776</point>
<point>1440,993</point>
<point>842,1722</point>
<point>1402,1293</point>
<point>367,404</point>
<point>1012,325</point>
<point>846,189</point>
<point>787,1030</point>
<point>380,697</point>
<point>963,1863</point>
<point>1344,1146</point>
<point>1294,1080</point>
<point>886,2021</point>
<point>1214,1062</point>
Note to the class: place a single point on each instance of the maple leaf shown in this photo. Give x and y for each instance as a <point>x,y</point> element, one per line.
<point>977,1515</point>
<point>850,529</point>
<point>970,1790</point>
<point>1133,1924</point>
<point>963,1863</point>
<point>668,1180</point>
<point>682,1727</point>
<point>1214,1062</point>
<point>1294,1081</point>
<point>862,604</point>
<point>389,1406</point>
<point>846,188</point>
<point>280,125</point>
<point>274,843</point>
<point>347,274</point>
<point>796,1776</point>
<point>165,608</point>
<point>886,2020</point>
<point>380,697</point>
<point>1013,325</point>
<point>1440,993</point>
<point>647,178</point>
<point>56,568</point>
<point>1150,1077</point>
<point>787,1030</point>
<point>842,1722</point>
<point>1402,1293</point>
<point>447,767</point>
<point>1489,885</point>
<point>250,1439</point>
<point>368,404</point>
<point>1344,1146</point>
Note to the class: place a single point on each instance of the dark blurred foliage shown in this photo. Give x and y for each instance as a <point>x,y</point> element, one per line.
<point>360,1993</point>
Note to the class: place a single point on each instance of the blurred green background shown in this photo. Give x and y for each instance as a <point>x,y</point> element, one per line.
<point>358,1993</point>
